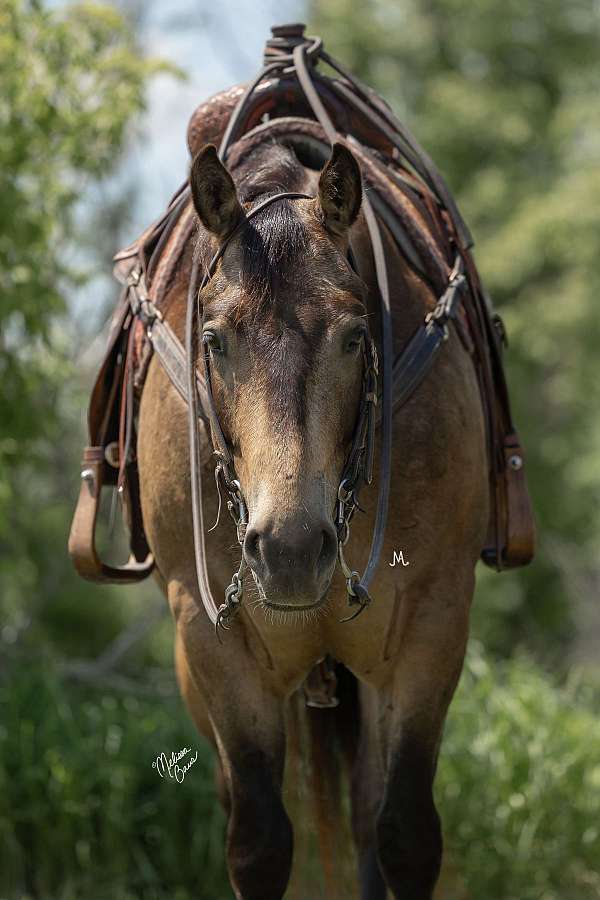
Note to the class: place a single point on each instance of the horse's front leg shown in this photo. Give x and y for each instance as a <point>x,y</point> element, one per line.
<point>413,708</point>
<point>367,792</point>
<point>259,832</point>
<point>248,728</point>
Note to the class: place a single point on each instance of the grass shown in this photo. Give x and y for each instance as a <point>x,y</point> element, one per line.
<point>82,812</point>
<point>519,783</point>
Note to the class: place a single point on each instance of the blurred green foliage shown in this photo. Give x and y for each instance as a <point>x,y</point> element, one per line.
<point>82,811</point>
<point>504,96</point>
<point>70,82</point>
<point>519,783</point>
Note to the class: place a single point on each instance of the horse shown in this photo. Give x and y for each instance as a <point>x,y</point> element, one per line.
<point>284,320</point>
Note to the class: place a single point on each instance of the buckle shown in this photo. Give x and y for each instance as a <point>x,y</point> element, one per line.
<point>344,495</point>
<point>139,301</point>
<point>437,317</point>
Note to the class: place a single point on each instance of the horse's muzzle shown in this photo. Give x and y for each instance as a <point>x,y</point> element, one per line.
<point>293,563</point>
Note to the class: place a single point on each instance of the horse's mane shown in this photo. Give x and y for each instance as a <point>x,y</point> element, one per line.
<point>270,167</point>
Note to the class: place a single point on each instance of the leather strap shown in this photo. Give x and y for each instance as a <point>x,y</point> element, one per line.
<point>163,339</point>
<point>414,363</point>
<point>387,347</point>
<point>82,539</point>
<point>211,607</point>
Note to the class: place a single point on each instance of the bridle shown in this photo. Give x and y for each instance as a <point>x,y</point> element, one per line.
<point>357,470</point>
<point>413,365</point>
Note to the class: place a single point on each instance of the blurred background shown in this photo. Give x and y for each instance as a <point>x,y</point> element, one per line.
<point>94,104</point>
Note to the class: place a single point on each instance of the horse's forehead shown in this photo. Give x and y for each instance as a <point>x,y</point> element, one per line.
<point>309,306</point>
<point>262,284</point>
<point>290,322</point>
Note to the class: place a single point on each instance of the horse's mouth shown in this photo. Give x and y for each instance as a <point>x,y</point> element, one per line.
<point>294,607</point>
<point>276,606</point>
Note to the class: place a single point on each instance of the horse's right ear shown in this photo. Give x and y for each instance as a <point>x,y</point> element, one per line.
<point>340,191</point>
<point>214,193</point>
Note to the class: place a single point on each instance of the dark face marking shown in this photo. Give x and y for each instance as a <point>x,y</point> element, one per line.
<point>274,247</point>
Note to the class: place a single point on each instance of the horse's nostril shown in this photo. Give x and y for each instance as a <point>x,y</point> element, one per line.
<point>327,552</point>
<point>252,546</point>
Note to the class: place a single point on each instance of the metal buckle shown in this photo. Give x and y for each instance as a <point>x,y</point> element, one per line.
<point>148,312</point>
<point>436,317</point>
<point>344,495</point>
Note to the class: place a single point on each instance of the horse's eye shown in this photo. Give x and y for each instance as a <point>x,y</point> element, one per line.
<point>354,340</point>
<point>212,340</point>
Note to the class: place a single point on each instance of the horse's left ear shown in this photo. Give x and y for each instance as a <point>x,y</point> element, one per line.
<point>340,191</point>
<point>214,193</point>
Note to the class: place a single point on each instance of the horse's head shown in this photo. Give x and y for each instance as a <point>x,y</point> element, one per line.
<point>284,319</point>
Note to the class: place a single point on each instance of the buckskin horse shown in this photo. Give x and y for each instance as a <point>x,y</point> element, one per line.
<point>314,314</point>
